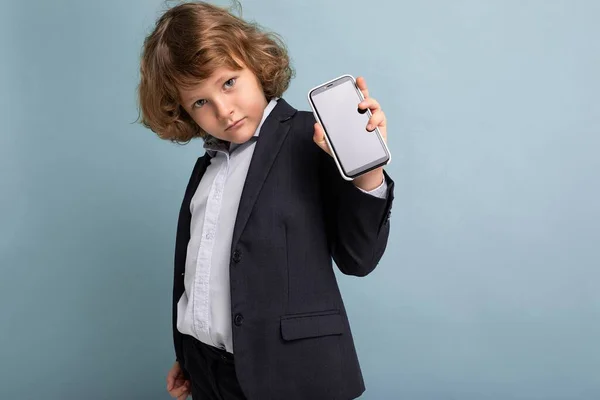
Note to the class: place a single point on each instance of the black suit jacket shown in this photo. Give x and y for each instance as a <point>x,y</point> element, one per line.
<point>291,335</point>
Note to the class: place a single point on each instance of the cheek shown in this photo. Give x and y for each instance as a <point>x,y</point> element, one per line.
<point>203,120</point>
<point>255,105</point>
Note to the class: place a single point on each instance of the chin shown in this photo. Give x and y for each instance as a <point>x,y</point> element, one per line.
<point>239,138</point>
<point>242,137</point>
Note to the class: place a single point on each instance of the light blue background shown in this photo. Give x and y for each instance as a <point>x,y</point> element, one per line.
<point>490,288</point>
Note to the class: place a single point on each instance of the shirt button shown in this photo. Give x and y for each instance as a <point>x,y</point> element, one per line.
<point>239,318</point>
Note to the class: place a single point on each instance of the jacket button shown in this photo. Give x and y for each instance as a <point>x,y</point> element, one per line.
<point>239,318</point>
<point>237,256</point>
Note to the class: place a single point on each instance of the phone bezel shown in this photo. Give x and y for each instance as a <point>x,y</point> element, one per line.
<point>364,168</point>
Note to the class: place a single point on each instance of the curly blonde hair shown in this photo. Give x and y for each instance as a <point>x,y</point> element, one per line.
<point>189,42</point>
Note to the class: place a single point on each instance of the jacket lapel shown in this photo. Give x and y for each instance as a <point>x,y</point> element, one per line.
<point>272,134</point>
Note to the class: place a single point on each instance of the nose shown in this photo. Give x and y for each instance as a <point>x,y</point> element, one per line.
<point>223,109</point>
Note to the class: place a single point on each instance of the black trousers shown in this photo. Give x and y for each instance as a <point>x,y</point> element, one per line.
<point>212,371</point>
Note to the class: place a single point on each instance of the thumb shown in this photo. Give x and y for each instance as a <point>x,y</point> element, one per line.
<point>170,382</point>
<point>319,138</point>
<point>172,375</point>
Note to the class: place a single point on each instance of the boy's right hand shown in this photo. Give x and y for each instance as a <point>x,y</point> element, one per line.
<point>177,386</point>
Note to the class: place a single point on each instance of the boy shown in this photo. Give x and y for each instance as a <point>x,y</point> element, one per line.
<point>257,312</point>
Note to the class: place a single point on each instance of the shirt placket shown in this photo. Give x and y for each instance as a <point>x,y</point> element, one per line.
<point>201,306</point>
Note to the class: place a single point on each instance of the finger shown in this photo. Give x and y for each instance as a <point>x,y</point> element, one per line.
<point>172,375</point>
<point>362,85</point>
<point>180,391</point>
<point>178,385</point>
<point>175,381</point>
<point>188,389</point>
<point>180,382</point>
<point>170,381</point>
<point>376,120</point>
<point>319,138</point>
<point>369,103</point>
<point>184,396</point>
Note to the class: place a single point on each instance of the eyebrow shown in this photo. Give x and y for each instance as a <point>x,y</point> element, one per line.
<point>222,78</point>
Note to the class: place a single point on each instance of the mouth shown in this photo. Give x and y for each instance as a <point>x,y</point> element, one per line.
<point>235,124</point>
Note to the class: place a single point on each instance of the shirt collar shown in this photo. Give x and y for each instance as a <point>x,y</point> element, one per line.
<point>212,144</point>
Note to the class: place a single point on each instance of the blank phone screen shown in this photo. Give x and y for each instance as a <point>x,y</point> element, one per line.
<point>357,149</point>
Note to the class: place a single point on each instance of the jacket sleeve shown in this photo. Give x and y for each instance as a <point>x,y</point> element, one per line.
<point>358,224</point>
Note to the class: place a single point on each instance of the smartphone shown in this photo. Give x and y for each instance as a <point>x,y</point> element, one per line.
<point>355,150</point>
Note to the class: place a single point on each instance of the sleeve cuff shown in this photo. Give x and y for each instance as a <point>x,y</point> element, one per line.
<point>380,191</point>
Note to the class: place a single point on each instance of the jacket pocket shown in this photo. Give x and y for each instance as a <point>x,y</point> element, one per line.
<point>322,323</point>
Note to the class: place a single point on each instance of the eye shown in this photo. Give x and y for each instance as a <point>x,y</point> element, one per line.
<point>198,103</point>
<point>230,82</point>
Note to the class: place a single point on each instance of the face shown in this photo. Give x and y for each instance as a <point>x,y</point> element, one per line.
<point>228,105</point>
